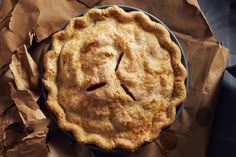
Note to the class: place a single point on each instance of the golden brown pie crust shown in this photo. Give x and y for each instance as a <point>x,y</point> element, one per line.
<point>114,78</point>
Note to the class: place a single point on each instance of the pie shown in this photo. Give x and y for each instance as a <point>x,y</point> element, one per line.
<point>114,78</point>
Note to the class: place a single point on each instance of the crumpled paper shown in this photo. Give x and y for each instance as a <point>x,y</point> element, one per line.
<point>5,93</point>
<point>25,30</point>
<point>25,72</point>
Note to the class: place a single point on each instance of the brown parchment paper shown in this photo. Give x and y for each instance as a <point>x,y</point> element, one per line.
<point>26,128</point>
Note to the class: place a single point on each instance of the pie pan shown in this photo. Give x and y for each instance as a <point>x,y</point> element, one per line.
<point>183,59</point>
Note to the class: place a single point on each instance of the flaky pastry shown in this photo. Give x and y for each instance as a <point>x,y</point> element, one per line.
<point>114,78</point>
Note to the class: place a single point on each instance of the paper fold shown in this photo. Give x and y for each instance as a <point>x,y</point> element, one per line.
<point>25,31</point>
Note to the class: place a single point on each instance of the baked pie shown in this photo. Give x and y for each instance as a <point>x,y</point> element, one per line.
<point>114,78</point>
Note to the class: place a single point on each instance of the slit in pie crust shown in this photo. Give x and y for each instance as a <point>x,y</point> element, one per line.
<point>114,78</point>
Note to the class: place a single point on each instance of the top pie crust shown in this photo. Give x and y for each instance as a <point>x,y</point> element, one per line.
<point>114,78</point>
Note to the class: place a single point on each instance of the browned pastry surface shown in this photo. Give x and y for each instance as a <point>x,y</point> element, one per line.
<point>114,78</point>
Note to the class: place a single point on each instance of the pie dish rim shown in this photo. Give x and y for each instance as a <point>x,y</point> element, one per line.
<point>183,60</point>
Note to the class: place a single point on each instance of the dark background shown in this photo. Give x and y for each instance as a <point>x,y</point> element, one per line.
<point>221,15</point>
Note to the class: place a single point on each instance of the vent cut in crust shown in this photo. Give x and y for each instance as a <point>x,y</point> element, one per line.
<point>114,78</point>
